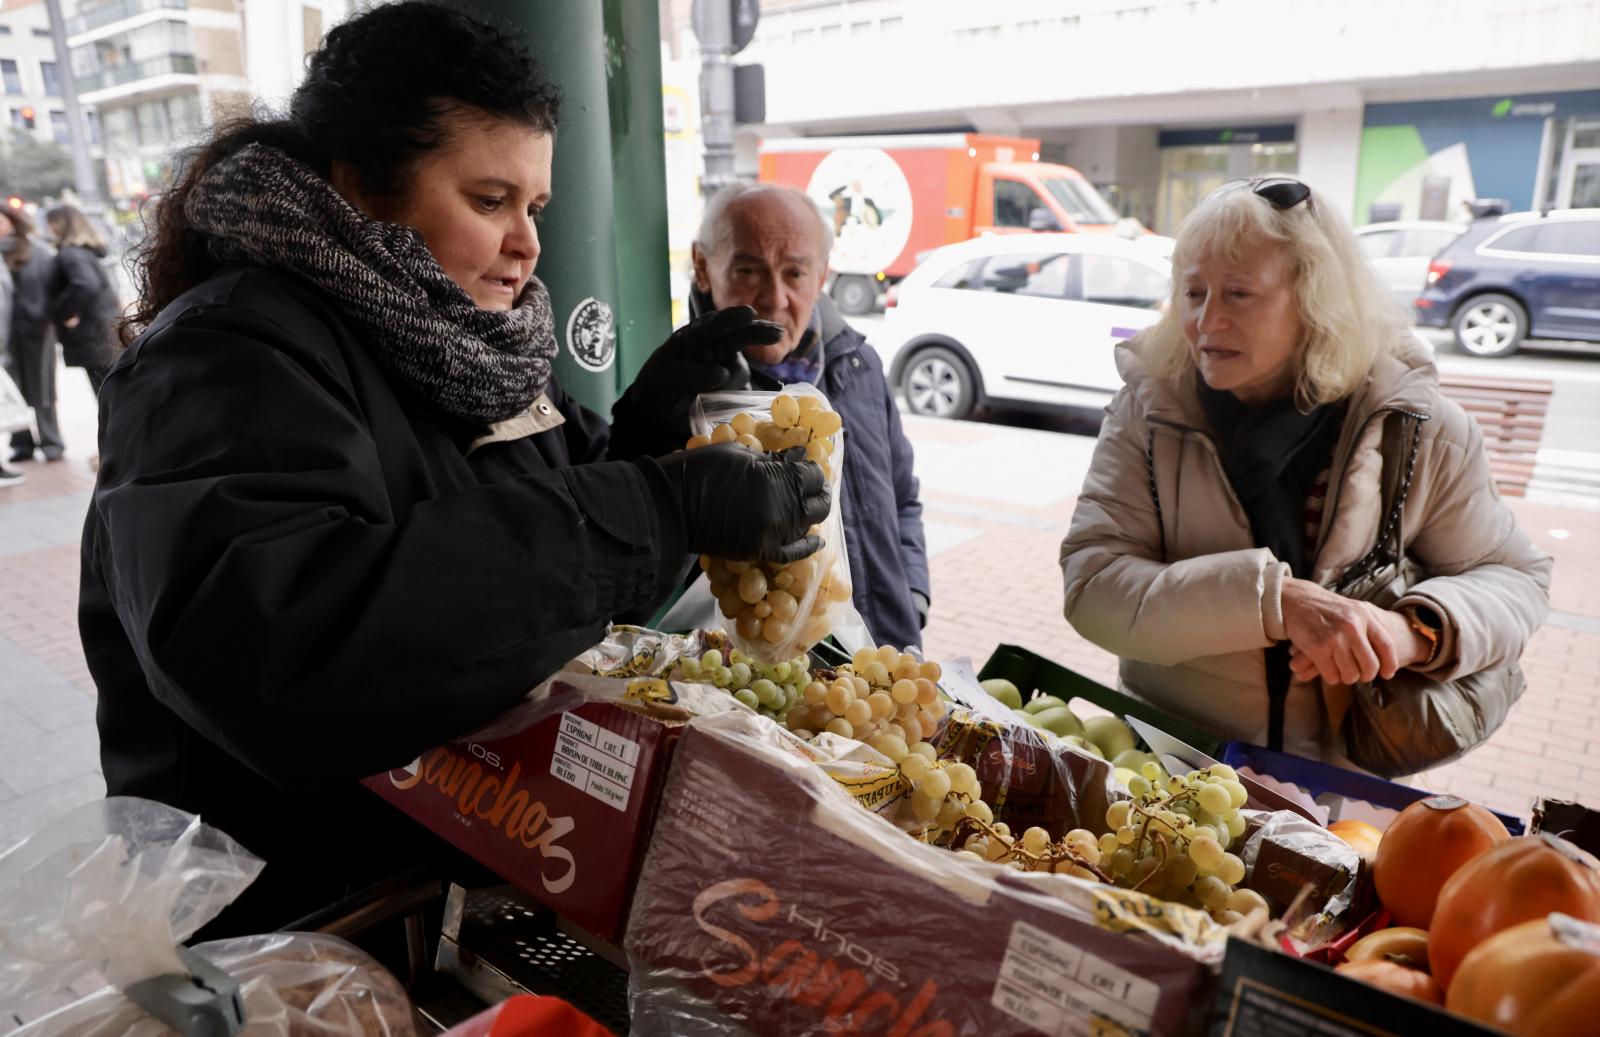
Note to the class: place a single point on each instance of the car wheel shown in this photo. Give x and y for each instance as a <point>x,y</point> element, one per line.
<point>938,384</point>
<point>1490,325</point>
<point>854,295</point>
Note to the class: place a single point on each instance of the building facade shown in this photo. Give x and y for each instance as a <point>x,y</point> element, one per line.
<point>1388,107</point>
<point>32,80</point>
<point>162,72</point>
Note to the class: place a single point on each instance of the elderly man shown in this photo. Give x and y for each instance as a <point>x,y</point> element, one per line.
<point>766,247</point>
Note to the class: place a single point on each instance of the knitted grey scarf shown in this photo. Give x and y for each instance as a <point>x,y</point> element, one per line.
<point>261,207</point>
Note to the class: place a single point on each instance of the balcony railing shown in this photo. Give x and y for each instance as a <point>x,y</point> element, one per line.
<point>90,18</point>
<point>132,71</point>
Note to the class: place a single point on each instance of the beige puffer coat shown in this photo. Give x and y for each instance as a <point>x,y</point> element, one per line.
<point>1190,628</point>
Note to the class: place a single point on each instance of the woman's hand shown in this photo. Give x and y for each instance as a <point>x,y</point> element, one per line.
<point>1344,641</point>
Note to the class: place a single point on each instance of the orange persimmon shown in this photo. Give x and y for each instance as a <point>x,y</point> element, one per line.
<point>1516,881</point>
<point>1396,979</point>
<point>1423,847</point>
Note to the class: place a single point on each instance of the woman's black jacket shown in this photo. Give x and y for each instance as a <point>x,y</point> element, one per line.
<point>80,287</point>
<point>293,576</point>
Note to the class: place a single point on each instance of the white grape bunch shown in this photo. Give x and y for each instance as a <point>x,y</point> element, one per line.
<point>1172,840</point>
<point>883,696</point>
<point>1169,841</point>
<point>787,607</point>
<point>771,689</point>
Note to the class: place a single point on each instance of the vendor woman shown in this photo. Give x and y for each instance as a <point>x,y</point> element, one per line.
<point>344,510</point>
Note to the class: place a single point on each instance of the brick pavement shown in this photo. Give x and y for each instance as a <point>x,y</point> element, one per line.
<point>993,535</point>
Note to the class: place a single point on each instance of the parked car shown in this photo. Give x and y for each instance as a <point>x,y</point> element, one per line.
<point>1401,251</point>
<point>1523,275</point>
<point>1021,319</point>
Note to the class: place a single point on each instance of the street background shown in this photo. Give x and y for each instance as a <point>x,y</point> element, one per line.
<point>998,495</point>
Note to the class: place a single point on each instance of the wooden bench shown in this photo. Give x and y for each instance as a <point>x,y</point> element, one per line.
<point>1511,413</point>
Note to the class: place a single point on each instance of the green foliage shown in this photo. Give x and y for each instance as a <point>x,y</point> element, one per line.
<point>33,168</point>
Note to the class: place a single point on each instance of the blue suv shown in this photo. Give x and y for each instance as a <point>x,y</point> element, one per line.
<point>1525,275</point>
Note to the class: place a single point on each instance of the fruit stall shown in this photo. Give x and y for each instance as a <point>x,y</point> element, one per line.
<point>751,829</point>
<point>864,841</point>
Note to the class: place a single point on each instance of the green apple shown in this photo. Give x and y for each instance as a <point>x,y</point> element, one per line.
<point>1110,734</point>
<point>1060,720</point>
<point>1003,690</point>
<point>1080,742</point>
<point>1024,718</point>
<point>1132,759</point>
<point>1123,775</point>
<point>1042,703</point>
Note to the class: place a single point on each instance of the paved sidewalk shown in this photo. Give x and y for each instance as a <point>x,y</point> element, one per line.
<point>998,500</point>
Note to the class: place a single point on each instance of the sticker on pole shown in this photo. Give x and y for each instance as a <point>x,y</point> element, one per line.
<point>592,335</point>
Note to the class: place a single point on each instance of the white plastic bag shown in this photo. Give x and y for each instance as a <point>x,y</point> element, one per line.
<point>780,611</point>
<point>110,889</point>
<point>15,414</point>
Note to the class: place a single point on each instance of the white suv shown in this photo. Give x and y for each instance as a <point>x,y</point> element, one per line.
<point>1022,318</point>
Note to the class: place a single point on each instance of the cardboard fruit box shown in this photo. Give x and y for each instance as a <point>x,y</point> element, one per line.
<point>557,795</point>
<point>1267,994</point>
<point>771,902</point>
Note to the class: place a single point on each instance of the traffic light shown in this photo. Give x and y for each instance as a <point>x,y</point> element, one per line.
<point>28,115</point>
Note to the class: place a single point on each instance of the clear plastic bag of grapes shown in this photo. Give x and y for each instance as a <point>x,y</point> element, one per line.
<point>776,612</point>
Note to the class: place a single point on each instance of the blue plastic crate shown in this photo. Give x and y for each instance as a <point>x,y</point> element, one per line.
<point>1334,786</point>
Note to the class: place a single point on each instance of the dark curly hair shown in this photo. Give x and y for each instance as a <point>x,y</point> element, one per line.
<point>377,97</point>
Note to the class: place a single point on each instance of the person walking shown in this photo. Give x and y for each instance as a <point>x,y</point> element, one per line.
<point>83,304</point>
<point>14,410</point>
<point>32,342</point>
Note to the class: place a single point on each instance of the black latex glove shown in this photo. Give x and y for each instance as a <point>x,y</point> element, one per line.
<point>705,355</point>
<point>745,506</point>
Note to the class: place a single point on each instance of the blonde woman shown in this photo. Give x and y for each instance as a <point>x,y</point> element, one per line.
<point>83,303</point>
<point>1239,474</point>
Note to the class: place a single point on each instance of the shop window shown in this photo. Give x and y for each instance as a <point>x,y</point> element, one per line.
<point>1114,281</point>
<point>1013,201</point>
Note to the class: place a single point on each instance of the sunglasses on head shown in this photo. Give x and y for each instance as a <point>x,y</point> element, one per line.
<point>1282,192</point>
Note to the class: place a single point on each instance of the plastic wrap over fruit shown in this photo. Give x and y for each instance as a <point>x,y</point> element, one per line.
<point>798,912</point>
<point>106,893</point>
<point>776,612</point>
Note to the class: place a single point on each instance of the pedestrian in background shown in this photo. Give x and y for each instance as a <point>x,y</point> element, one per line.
<point>83,303</point>
<point>13,408</point>
<point>32,342</point>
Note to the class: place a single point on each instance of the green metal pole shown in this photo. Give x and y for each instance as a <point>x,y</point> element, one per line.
<point>604,236</point>
<point>639,181</point>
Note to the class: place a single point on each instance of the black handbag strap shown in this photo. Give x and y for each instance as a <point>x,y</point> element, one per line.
<point>1387,547</point>
<point>1155,498</point>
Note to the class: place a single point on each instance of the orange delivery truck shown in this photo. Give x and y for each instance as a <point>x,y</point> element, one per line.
<point>893,198</point>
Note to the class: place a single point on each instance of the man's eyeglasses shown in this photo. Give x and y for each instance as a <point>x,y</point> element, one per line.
<point>1282,192</point>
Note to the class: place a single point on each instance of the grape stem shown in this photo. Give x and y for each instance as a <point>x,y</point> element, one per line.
<point>1054,853</point>
<point>1161,843</point>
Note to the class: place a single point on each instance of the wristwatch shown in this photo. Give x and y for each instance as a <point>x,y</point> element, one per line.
<point>1426,622</point>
